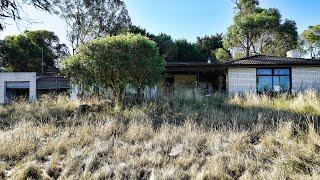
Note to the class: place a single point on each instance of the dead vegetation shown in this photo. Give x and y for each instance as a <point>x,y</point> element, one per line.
<point>180,137</point>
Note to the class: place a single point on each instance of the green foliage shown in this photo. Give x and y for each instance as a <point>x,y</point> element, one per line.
<point>116,61</point>
<point>139,30</point>
<point>312,38</point>
<point>285,38</point>
<point>221,54</point>
<point>187,52</point>
<point>260,31</point>
<point>166,45</point>
<point>24,52</point>
<point>87,20</point>
<point>207,44</point>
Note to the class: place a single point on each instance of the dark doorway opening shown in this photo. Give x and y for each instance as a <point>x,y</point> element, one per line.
<point>16,91</point>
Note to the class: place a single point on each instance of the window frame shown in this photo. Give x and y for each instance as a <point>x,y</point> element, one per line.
<point>272,78</point>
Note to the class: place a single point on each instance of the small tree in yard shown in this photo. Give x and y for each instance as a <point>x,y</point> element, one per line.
<point>116,61</point>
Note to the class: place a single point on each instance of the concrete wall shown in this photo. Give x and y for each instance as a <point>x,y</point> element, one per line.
<point>304,78</point>
<point>18,76</point>
<point>241,80</point>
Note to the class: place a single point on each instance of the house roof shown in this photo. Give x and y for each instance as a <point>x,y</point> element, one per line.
<point>262,60</point>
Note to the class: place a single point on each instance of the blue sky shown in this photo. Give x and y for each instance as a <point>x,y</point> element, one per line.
<point>180,18</point>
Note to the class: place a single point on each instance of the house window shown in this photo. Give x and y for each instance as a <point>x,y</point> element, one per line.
<point>273,80</point>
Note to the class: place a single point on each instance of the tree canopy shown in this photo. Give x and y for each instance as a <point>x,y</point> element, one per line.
<point>25,52</point>
<point>187,52</point>
<point>166,45</point>
<point>87,20</point>
<point>259,31</point>
<point>208,44</point>
<point>181,49</point>
<point>116,61</point>
<point>221,55</point>
<point>312,40</point>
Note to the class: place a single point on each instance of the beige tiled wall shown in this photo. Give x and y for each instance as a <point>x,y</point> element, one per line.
<point>241,80</point>
<point>304,78</point>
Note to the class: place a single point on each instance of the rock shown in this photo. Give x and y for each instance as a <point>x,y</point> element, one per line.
<point>176,151</point>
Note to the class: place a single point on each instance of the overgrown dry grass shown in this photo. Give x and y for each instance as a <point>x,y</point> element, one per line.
<point>185,136</point>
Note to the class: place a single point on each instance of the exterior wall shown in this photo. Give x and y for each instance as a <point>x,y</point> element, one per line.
<point>18,76</point>
<point>241,80</point>
<point>185,79</point>
<point>304,78</point>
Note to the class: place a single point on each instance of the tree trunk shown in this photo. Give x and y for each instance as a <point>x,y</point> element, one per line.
<point>261,45</point>
<point>117,97</point>
<point>139,92</point>
<point>248,46</point>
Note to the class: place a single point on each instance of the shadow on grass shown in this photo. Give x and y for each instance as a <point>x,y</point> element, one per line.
<point>217,113</point>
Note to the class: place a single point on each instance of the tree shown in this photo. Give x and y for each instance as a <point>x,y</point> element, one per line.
<point>166,45</point>
<point>116,61</point>
<point>256,30</point>
<point>207,44</point>
<point>11,9</point>
<point>284,38</point>
<point>187,52</point>
<point>221,54</point>
<point>312,40</point>
<point>139,30</point>
<point>25,52</point>
<point>87,20</point>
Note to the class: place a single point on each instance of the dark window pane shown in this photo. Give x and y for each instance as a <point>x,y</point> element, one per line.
<point>264,71</point>
<point>281,71</point>
<point>264,83</point>
<point>281,83</point>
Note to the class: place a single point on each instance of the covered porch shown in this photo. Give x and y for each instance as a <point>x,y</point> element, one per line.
<point>209,76</point>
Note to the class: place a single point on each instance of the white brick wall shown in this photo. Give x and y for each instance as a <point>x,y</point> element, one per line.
<point>304,78</point>
<point>18,76</point>
<point>241,80</point>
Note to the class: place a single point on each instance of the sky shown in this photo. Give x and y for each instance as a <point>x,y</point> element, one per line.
<point>187,19</point>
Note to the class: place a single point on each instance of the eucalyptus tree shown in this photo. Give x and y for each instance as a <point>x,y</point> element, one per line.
<point>259,31</point>
<point>312,40</point>
<point>12,9</point>
<point>89,19</point>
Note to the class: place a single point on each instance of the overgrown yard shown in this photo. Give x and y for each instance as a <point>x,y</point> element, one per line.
<point>180,137</point>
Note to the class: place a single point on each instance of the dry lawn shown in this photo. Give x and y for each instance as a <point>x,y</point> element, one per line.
<point>178,137</point>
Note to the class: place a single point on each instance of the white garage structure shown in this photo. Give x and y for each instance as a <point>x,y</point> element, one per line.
<point>23,83</point>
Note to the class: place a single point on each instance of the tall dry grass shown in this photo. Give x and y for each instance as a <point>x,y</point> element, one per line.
<point>183,136</point>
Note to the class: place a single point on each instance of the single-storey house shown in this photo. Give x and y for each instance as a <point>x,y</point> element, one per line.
<point>254,74</point>
<point>28,84</point>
